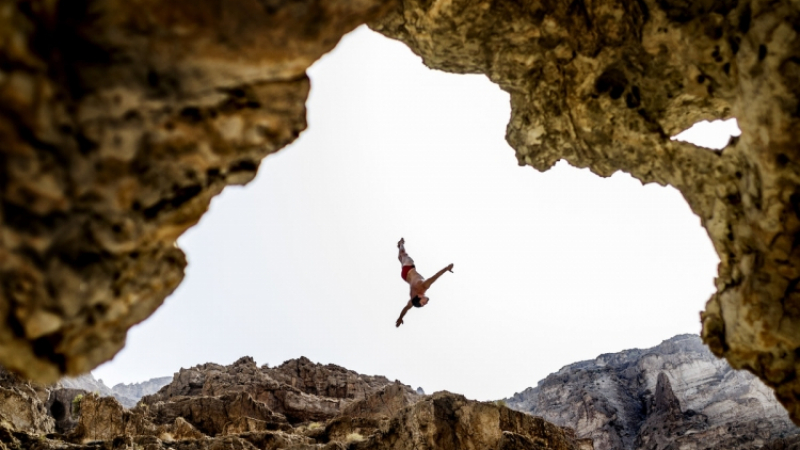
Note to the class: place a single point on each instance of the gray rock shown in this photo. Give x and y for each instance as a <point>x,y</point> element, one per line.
<point>127,394</point>
<point>676,393</point>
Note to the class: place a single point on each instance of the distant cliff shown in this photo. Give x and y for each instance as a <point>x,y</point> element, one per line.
<point>674,395</point>
<point>127,394</point>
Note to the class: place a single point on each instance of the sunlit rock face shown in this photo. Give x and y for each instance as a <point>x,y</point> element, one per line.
<point>605,84</point>
<point>674,395</point>
<point>299,389</point>
<point>215,407</point>
<point>119,122</point>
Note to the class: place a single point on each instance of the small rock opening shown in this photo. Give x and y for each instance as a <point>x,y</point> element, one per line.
<point>714,135</point>
<point>57,410</point>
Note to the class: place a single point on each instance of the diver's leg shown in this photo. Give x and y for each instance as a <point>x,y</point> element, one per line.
<point>405,260</point>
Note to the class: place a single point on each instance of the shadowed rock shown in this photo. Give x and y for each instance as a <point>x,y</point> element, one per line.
<point>603,85</point>
<point>121,120</point>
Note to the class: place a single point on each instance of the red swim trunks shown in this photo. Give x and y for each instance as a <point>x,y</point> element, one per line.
<point>404,272</point>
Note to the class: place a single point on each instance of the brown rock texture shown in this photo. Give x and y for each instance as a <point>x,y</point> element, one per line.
<point>298,389</point>
<point>234,420</point>
<point>604,84</point>
<point>119,122</point>
<point>449,422</point>
<point>21,408</point>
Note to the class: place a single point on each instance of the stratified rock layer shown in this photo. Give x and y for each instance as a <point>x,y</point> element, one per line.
<point>676,395</point>
<point>604,84</point>
<point>119,122</point>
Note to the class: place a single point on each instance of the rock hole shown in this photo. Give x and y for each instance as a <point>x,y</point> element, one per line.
<point>744,19</point>
<point>713,135</point>
<point>192,114</point>
<point>57,410</point>
<point>153,79</point>
<point>762,52</point>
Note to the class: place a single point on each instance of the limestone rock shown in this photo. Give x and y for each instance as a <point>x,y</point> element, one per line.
<point>21,408</point>
<point>227,414</point>
<point>120,122</point>
<point>447,421</point>
<point>104,419</point>
<point>63,406</point>
<point>603,85</point>
<point>389,416</point>
<point>676,393</point>
<point>130,394</point>
<point>298,389</point>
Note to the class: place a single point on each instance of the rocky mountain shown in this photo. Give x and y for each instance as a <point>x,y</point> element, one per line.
<point>296,406</point>
<point>127,394</point>
<point>676,395</point>
<point>135,391</point>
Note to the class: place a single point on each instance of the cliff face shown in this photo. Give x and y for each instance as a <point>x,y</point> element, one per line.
<point>22,406</point>
<point>214,407</point>
<point>121,120</point>
<point>298,389</point>
<point>604,85</point>
<point>674,395</point>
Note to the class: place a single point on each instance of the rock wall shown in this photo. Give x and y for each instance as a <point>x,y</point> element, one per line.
<point>674,395</point>
<point>300,390</point>
<point>130,394</point>
<point>127,394</point>
<point>22,406</point>
<point>604,84</point>
<point>389,415</point>
<point>120,120</point>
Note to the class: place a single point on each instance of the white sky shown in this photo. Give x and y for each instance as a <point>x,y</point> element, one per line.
<point>550,268</point>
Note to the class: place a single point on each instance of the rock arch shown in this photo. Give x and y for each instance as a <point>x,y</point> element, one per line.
<point>120,121</point>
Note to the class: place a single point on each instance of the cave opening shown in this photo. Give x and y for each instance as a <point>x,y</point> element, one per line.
<point>564,264</point>
<point>57,410</point>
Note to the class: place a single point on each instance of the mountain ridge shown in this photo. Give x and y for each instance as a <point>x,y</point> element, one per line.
<point>613,399</point>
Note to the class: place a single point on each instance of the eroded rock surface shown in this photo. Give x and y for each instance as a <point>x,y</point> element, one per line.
<point>127,394</point>
<point>389,415</point>
<point>674,395</point>
<point>604,84</point>
<point>299,389</point>
<point>22,405</point>
<point>119,122</point>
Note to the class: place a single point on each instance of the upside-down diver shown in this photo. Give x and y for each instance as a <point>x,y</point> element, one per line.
<point>419,285</point>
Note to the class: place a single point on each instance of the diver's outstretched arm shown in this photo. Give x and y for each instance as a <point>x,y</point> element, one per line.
<point>403,313</point>
<point>432,279</point>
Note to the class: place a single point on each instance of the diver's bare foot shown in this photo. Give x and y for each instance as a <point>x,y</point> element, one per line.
<point>401,242</point>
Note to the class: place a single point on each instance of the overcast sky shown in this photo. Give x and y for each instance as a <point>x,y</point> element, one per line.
<point>550,268</point>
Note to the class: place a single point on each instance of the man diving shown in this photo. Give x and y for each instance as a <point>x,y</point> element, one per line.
<point>419,285</point>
